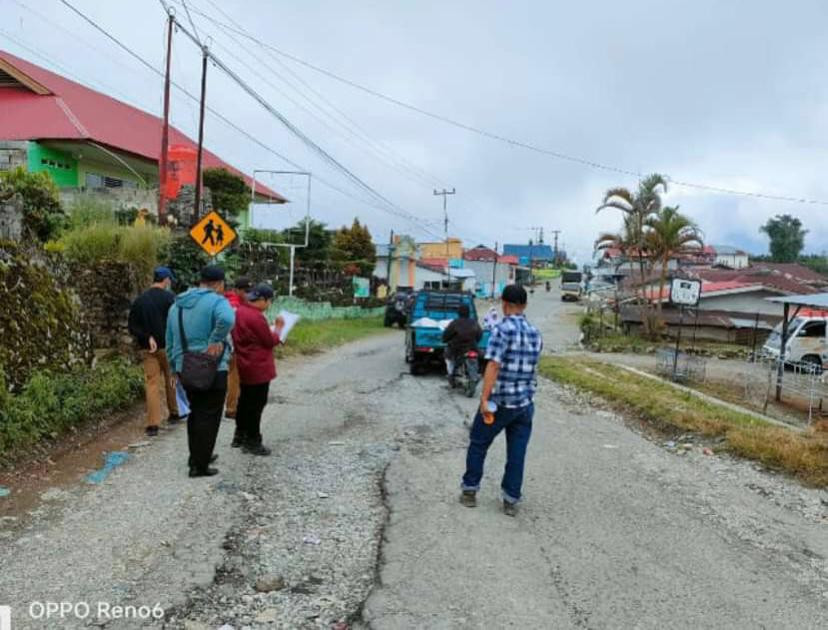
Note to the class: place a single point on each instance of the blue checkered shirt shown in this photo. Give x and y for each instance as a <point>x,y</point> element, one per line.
<point>516,345</point>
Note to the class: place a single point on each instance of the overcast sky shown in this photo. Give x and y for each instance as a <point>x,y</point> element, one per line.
<point>730,94</point>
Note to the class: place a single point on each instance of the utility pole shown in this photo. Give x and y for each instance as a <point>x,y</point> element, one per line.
<point>165,129</point>
<point>204,55</point>
<point>444,194</point>
<point>494,271</point>
<point>390,254</point>
<point>557,257</point>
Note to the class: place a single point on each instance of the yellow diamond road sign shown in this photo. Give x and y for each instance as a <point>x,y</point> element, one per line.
<point>213,233</point>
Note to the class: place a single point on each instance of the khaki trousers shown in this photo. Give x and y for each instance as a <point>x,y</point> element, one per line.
<point>157,375</point>
<point>233,388</point>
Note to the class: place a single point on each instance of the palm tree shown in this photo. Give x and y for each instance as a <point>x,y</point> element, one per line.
<point>637,207</point>
<point>669,233</point>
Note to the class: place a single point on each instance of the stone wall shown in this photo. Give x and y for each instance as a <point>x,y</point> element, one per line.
<point>13,153</point>
<point>41,322</point>
<point>121,198</point>
<point>181,209</point>
<point>11,219</point>
<point>106,291</point>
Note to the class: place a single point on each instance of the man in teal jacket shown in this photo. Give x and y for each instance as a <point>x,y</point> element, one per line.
<point>207,319</point>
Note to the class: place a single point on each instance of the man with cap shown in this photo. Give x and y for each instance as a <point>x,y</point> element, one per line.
<point>148,324</point>
<point>207,319</point>
<point>506,403</point>
<point>254,341</point>
<point>236,296</point>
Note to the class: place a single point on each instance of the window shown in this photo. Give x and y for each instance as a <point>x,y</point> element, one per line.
<point>813,329</point>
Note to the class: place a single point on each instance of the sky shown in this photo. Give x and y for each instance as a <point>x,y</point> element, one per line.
<point>725,94</point>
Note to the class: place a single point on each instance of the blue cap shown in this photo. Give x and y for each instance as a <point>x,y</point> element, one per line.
<point>162,273</point>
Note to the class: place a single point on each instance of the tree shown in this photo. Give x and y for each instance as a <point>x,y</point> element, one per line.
<point>43,217</point>
<point>354,249</point>
<point>669,233</point>
<point>319,241</point>
<point>787,238</point>
<point>229,192</point>
<point>637,207</point>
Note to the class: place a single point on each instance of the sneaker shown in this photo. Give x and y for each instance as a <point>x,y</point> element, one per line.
<point>469,498</point>
<point>151,431</point>
<point>207,472</point>
<point>256,449</point>
<point>237,441</point>
<point>510,509</point>
<point>213,460</point>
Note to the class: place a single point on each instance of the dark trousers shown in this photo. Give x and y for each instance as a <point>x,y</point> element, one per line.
<point>252,401</point>
<point>517,423</point>
<point>204,421</point>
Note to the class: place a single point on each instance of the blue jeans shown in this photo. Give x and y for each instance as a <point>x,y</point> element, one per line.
<point>518,426</point>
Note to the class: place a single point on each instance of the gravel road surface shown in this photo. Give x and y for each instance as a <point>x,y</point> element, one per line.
<point>354,520</point>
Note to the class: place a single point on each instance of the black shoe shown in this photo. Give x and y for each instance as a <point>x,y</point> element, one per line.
<point>510,509</point>
<point>151,431</point>
<point>174,420</point>
<point>213,460</point>
<point>469,498</point>
<point>237,441</point>
<point>256,449</point>
<point>205,472</point>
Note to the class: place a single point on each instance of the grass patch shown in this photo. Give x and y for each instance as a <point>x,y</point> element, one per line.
<point>311,337</point>
<point>614,342</point>
<point>804,455</point>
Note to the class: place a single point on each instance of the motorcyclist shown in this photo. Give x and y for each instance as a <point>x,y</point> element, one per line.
<point>462,335</point>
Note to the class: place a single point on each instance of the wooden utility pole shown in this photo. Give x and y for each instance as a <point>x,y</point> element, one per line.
<point>390,254</point>
<point>197,209</point>
<point>165,129</point>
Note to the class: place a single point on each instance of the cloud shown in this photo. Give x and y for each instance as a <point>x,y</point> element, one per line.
<point>729,94</point>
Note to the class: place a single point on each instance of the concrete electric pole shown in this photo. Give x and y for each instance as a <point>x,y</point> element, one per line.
<point>444,194</point>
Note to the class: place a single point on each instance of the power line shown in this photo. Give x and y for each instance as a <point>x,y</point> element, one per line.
<point>500,138</point>
<point>215,113</point>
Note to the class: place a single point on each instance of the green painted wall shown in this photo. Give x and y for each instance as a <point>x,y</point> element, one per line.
<point>61,166</point>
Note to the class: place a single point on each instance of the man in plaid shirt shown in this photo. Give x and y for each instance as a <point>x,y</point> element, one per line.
<point>510,383</point>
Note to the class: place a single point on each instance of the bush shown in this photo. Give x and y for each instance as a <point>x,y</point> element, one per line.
<point>86,210</point>
<point>140,246</point>
<point>52,402</point>
<point>43,217</point>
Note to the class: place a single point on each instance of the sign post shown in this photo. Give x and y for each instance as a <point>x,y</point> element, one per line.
<point>213,234</point>
<point>683,293</point>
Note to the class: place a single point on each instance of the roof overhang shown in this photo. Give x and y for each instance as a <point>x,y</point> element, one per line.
<point>20,78</point>
<point>817,300</point>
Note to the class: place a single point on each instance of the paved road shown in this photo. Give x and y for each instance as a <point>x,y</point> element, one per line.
<point>357,514</point>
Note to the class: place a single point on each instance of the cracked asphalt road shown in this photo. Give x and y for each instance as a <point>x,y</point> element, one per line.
<point>357,512</point>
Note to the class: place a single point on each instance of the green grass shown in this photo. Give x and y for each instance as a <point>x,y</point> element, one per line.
<point>804,455</point>
<point>311,337</point>
<point>615,342</point>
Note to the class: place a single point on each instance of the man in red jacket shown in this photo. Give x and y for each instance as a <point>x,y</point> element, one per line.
<point>253,343</point>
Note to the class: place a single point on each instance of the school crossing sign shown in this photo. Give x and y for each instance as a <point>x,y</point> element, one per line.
<point>213,234</point>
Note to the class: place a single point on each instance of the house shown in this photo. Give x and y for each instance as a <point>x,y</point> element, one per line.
<point>88,141</point>
<point>429,276</point>
<point>396,264</point>
<point>451,248</point>
<point>730,257</point>
<point>534,255</point>
<point>492,270</point>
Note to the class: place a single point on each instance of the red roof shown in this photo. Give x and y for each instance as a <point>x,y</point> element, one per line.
<point>508,260</point>
<point>71,111</point>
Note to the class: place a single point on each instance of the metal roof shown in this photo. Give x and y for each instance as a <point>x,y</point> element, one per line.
<point>819,300</point>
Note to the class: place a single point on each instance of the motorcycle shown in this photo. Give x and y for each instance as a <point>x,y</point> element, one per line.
<point>467,373</point>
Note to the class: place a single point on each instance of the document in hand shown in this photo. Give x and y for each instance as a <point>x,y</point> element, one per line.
<point>290,322</point>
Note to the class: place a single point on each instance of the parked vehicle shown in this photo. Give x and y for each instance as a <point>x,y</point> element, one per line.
<point>396,309</point>
<point>467,373</point>
<point>806,340</point>
<point>431,312</point>
<point>571,285</point>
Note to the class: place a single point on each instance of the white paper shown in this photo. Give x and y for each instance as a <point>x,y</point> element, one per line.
<point>290,322</point>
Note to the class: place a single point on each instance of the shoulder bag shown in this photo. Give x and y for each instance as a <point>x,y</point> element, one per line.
<point>198,369</point>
